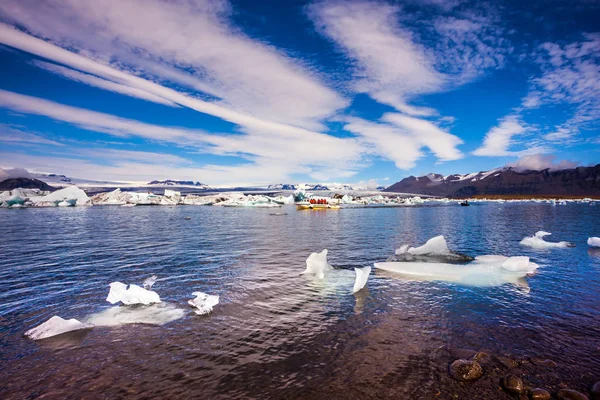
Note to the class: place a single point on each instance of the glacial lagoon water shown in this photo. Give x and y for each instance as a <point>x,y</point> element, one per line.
<point>275,333</point>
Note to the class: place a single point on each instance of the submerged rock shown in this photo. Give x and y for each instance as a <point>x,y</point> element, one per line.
<point>540,394</point>
<point>448,258</point>
<point>513,384</point>
<point>465,370</point>
<point>570,394</point>
<point>540,362</point>
<point>595,391</point>
<point>507,362</point>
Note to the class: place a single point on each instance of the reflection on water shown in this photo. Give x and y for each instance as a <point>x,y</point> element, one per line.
<point>276,333</point>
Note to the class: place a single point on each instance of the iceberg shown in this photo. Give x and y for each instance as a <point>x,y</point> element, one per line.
<point>55,326</point>
<point>489,270</point>
<point>316,264</point>
<point>203,303</point>
<point>134,294</point>
<point>362,275</point>
<point>71,194</point>
<point>593,241</point>
<point>155,314</point>
<point>537,242</point>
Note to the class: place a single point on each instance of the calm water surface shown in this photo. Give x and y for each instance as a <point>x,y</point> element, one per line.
<point>277,334</point>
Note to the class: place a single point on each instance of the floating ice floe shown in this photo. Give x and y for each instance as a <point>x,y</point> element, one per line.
<point>362,275</point>
<point>434,250</point>
<point>537,241</point>
<point>593,241</point>
<point>203,303</point>
<point>154,314</point>
<point>490,270</point>
<point>55,326</point>
<point>134,294</point>
<point>316,264</point>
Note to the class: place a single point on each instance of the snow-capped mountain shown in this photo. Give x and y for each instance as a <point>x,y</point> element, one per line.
<point>505,181</point>
<point>169,182</point>
<point>282,186</point>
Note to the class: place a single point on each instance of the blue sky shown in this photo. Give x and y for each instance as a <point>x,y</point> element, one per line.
<point>246,92</point>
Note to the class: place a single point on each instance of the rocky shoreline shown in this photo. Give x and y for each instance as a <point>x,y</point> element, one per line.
<point>469,373</point>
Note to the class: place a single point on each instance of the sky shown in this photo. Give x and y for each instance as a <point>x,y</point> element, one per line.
<point>250,93</point>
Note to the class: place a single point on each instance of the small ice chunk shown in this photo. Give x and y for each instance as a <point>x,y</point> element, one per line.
<point>362,275</point>
<point>149,282</point>
<point>593,241</point>
<point>203,303</point>
<point>134,294</point>
<point>436,245</point>
<point>316,264</point>
<point>537,242</point>
<point>55,326</point>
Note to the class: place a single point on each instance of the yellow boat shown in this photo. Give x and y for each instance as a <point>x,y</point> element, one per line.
<point>309,206</point>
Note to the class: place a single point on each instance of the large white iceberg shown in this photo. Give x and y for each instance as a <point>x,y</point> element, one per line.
<point>490,270</point>
<point>134,294</point>
<point>593,241</point>
<point>316,264</point>
<point>362,275</point>
<point>537,241</point>
<point>203,303</point>
<point>55,326</point>
<point>71,195</point>
<point>154,314</point>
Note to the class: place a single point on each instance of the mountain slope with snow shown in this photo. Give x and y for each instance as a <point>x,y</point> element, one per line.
<point>580,181</point>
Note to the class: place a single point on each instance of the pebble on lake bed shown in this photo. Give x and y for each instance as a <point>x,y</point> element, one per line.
<point>540,394</point>
<point>465,370</point>
<point>570,394</point>
<point>512,384</point>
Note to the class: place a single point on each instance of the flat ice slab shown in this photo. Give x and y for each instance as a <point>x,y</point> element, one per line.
<point>537,242</point>
<point>55,326</point>
<point>489,270</point>
<point>155,314</point>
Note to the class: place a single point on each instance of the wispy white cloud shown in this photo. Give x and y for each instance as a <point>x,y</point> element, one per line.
<point>499,139</point>
<point>191,42</point>
<point>570,75</point>
<point>538,162</point>
<point>390,65</point>
<point>15,135</point>
<point>294,150</point>
<point>102,83</point>
<point>400,138</point>
<point>395,61</point>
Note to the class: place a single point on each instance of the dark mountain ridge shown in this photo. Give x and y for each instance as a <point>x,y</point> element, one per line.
<point>25,183</point>
<point>580,181</point>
